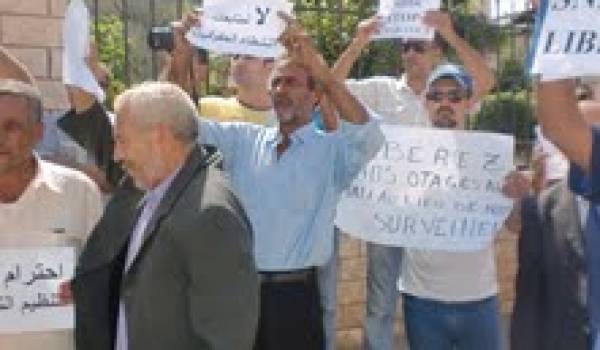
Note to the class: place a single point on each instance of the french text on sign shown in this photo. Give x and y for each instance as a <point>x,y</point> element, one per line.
<point>431,189</point>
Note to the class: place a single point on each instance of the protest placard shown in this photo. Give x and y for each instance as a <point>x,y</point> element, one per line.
<point>76,48</point>
<point>403,19</point>
<point>566,39</point>
<point>29,282</point>
<point>241,27</point>
<point>432,189</point>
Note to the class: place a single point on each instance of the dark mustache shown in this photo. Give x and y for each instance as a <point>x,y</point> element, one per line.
<point>445,109</point>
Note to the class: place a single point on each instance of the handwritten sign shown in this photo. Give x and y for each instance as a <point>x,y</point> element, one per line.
<point>566,39</point>
<point>241,27</point>
<point>402,19</point>
<point>29,281</point>
<point>430,188</point>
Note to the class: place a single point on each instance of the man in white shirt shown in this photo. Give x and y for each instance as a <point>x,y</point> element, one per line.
<point>41,204</point>
<point>450,298</point>
<point>401,101</point>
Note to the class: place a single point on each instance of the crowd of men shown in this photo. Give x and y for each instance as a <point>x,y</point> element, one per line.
<point>208,222</point>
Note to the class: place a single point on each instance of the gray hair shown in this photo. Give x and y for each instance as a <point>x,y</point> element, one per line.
<point>154,103</point>
<point>11,87</point>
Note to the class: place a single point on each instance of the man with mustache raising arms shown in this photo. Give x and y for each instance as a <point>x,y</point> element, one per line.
<point>289,178</point>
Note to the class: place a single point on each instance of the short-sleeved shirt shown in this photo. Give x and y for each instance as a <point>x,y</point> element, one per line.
<point>58,208</point>
<point>291,199</point>
<point>588,185</point>
<point>392,99</point>
<point>229,109</point>
<point>438,275</point>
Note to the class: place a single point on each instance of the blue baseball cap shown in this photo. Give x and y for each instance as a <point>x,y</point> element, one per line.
<point>454,72</point>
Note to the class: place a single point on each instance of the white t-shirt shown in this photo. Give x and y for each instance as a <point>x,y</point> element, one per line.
<point>59,208</point>
<point>438,275</point>
<point>450,276</point>
<point>392,99</point>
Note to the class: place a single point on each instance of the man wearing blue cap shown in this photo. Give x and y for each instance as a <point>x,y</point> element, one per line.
<point>399,101</point>
<point>450,298</point>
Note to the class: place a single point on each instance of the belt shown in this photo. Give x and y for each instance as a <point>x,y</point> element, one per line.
<point>301,275</point>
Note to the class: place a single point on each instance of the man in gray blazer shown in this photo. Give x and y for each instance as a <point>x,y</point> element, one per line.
<point>176,270</point>
<point>549,311</point>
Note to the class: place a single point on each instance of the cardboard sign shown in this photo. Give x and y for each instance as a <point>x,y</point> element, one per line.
<point>402,19</point>
<point>241,27</point>
<point>566,39</point>
<point>29,282</point>
<point>431,189</point>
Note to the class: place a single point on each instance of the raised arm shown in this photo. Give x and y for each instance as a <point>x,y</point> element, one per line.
<point>178,68</point>
<point>11,68</point>
<point>473,61</point>
<point>299,45</point>
<point>364,32</point>
<point>563,122</point>
<point>344,64</point>
<point>82,101</point>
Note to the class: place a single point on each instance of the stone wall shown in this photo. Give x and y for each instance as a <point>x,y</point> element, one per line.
<point>352,287</point>
<point>31,30</point>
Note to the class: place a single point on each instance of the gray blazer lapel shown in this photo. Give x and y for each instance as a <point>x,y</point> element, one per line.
<point>186,174</point>
<point>110,236</point>
<point>567,218</point>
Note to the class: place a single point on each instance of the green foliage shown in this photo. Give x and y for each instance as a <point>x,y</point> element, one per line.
<point>511,75</point>
<point>332,24</point>
<point>477,31</point>
<point>506,112</point>
<point>111,50</point>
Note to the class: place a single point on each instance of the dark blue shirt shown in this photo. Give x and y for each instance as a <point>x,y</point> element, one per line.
<point>588,185</point>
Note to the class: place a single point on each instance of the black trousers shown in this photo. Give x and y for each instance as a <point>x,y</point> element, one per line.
<point>291,317</point>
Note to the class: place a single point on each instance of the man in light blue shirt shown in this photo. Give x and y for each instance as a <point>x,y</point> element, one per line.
<point>289,178</point>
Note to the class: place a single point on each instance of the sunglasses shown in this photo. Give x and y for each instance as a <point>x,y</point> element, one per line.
<point>248,57</point>
<point>453,96</point>
<point>417,46</point>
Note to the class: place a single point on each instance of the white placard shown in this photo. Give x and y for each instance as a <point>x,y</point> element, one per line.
<point>241,27</point>
<point>76,41</point>
<point>566,39</point>
<point>432,189</point>
<point>403,19</point>
<point>29,282</point>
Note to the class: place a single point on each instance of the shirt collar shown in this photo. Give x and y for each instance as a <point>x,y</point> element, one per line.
<point>44,176</point>
<point>403,83</point>
<point>300,135</point>
<point>155,195</point>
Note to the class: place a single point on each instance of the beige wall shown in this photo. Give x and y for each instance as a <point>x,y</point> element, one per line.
<point>31,30</point>
<point>352,286</point>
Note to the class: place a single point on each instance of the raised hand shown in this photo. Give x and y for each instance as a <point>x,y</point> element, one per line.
<point>516,185</point>
<point>300,47</point>
<point>440,21</point>
<point>367,28</point>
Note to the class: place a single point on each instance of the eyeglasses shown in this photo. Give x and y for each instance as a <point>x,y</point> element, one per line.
<point>417,46</point>
<point>453,96</point>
